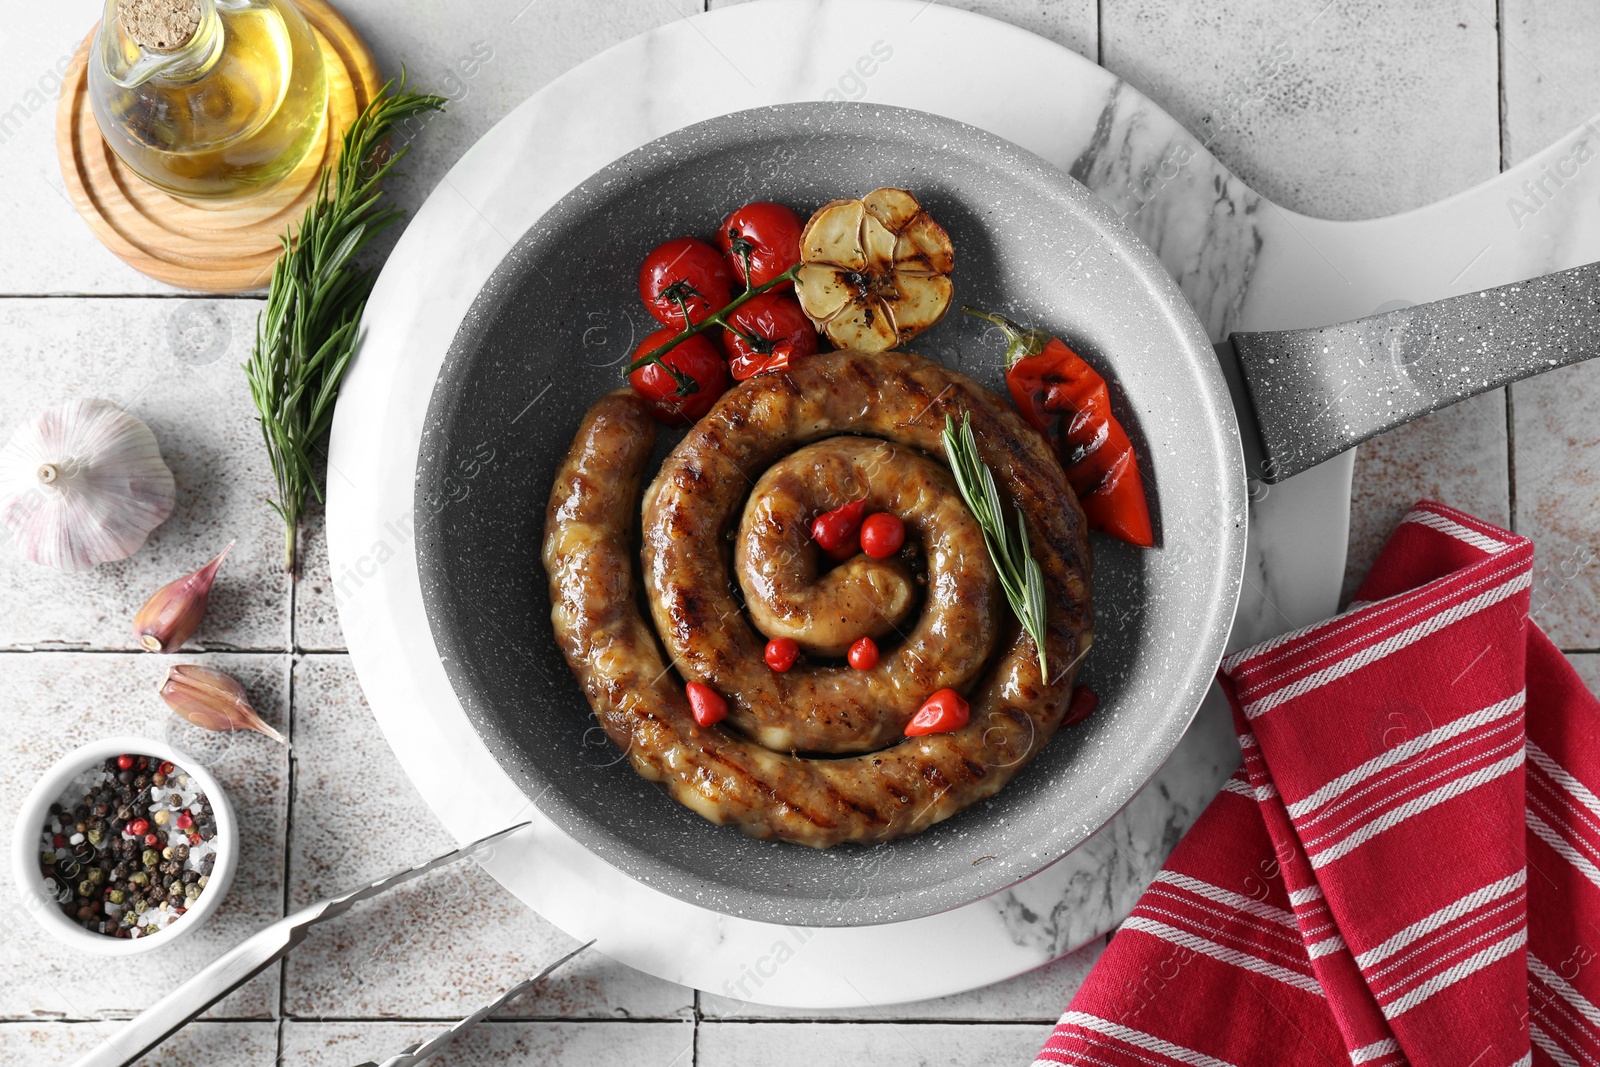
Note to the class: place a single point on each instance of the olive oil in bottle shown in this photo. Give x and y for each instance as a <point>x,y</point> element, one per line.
<point>208,99</point>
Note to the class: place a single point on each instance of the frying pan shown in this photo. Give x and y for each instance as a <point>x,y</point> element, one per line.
<point>548,335</point>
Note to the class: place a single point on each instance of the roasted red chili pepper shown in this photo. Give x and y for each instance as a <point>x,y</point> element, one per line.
<point>1065,399</point>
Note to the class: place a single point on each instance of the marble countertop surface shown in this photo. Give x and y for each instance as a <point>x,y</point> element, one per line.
<point>1382,108</point>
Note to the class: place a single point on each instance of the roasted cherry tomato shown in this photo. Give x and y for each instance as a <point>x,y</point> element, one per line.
<point>697,358</point>
<point>769,234</point>
<point>838,532</point>
<point>863,654</point>
<point>882,534</point>
<point>706,704</point>
<point>781,653</point>
<point>941,713</point>
<point>1084,701</point>
<point>687,269</point>
<point>766,333</point>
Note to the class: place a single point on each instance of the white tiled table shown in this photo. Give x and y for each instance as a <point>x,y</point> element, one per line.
<point>1386,108</point>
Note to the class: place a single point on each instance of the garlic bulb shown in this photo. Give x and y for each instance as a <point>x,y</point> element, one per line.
<point>83,484</point>
<point>876,271</point>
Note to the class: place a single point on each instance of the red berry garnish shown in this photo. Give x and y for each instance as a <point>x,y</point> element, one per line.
<point>706,704</point>
<point>943,712</point>
<point>151,839</point>
<point>125,761</point>
<point>167,768</point>
<point>781,653</point>
<point>138,828</point>
<point>882,535</point>
<point>839,530</point>
<point>863,654</point>
<point>185,821</point>
<point>1084,701</point>
<point>58,841</point>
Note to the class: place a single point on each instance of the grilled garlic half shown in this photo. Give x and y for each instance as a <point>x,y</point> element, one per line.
<point>83,484</point>
<point>874,272</point>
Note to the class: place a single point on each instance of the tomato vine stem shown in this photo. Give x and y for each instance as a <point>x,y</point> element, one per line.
<point>719,318</point>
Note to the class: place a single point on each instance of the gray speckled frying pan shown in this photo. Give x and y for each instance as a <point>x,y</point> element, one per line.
<point>551,329</point>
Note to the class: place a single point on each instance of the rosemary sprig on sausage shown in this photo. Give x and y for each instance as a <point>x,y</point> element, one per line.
<point>1020,574</point>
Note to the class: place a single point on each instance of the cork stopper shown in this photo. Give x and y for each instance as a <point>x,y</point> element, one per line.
<point>159,25</point>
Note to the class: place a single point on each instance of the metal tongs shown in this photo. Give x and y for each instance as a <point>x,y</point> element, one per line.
<point>413,1054</point>
<point>253,955</point>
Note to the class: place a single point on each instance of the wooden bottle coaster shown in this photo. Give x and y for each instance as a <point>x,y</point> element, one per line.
<point>223,247</point>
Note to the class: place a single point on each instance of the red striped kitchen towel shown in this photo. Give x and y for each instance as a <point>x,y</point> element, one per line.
<point>1407,866</point>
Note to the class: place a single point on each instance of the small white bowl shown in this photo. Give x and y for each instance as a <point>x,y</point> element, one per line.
<point>30,824</point>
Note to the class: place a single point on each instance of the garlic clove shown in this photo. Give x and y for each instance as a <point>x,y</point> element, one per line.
<point>83,484</point>
<point>878,242</point>
<point>864,325</point>
<point>923,245</point>
<point>892,207</point>
<point>173,614</point>
<point>212,700</point>
<point>921,301</point>
<point>823,290</point>
<point>834,236</point>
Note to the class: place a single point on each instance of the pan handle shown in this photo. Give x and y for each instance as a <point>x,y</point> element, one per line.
<point>1318,392</point>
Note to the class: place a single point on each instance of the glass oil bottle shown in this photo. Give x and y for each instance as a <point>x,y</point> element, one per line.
<point>208,99</point>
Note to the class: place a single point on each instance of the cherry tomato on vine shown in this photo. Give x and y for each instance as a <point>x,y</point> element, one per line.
<point>687,268</point>
<point>698,358</point>
<point>782,332</point>
<point>882,534</point>
<point>770,233</point>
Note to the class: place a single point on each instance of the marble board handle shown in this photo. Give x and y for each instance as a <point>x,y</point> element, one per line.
<point>1318,392</point>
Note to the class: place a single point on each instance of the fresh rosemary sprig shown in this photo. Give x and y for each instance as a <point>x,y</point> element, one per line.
<point>1020,574</point>
<point>309,328</point>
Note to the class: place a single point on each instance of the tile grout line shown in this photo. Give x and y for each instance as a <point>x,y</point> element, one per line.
<point>1500,76</point>
<point>1501,114</point>
<point>290,785</point>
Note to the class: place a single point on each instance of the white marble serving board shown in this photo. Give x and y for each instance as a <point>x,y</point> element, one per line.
<point>1243,263</point>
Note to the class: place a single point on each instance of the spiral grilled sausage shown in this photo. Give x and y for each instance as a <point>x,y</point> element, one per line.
<point>877,418</point>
